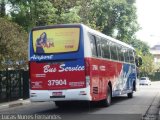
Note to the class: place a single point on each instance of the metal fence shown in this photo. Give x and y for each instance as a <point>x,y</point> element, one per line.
<point>154,76</point>
<point>14,84</point>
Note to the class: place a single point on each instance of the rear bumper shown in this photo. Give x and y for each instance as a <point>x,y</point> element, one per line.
<point>144,83</point>
<point>68,95</point>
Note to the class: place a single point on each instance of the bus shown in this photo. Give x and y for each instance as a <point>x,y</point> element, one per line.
<point>72,62</point>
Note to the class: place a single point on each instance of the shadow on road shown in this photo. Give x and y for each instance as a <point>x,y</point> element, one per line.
<point>82,107</point>
<point>84,111</point>
<point>119,99</point>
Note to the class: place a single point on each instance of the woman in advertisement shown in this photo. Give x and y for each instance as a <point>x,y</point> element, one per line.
<point>41,41</point>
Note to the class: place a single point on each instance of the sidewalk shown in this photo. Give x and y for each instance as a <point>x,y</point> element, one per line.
<point>14,103</point>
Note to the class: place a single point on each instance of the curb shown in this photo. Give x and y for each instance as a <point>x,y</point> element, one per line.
<point>14,104</point>
<point>159,113</point>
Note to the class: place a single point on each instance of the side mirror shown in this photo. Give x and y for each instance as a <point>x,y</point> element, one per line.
<point>138,61</point>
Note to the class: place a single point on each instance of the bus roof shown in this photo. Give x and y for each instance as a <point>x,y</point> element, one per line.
<point>88,29</point>
<point>108,37</point>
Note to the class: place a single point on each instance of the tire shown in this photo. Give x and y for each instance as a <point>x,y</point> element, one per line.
<point>134,86</point>
<point>130,95</point>
<point>107,102</point>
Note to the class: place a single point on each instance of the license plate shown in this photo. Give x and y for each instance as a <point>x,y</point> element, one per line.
<point>57,94</point>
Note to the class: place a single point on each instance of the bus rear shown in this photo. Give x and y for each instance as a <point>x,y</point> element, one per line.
<point>56,64</point>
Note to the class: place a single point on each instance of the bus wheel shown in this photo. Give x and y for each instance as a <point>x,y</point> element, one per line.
<point>106,102</point>
<point>130,95</point>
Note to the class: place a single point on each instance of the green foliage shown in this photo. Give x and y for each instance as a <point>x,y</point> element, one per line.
<point>31,13</point>
<point>2,8</point>
<point>115,15</point>
<point>147,67</point>
<point>66,11</point>
<point>71,16</point>
<point>140,45</point>
<point>13,44</point>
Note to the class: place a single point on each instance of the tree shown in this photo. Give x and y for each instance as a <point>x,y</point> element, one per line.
<point>2,8</point>
<point>13,44</point>
<point>67,11</point>
<point>147,67</point>
<point>30,13</point>
<point>140,45</point>
<point>118,16</point>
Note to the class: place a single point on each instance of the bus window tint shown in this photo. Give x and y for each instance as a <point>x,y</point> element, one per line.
<point>131,53</point>
<point>98,41</point>
<point>120,53</point>
<point>93,45</point>
<point>105,48</point>
<point>113,50</point>
<point>126,55</point>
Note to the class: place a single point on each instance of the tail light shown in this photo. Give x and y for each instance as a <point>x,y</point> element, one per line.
<point>87,71</point>
<point>87,81</point>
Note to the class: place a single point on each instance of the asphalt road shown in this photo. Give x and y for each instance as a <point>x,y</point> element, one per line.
<point>144,104</point>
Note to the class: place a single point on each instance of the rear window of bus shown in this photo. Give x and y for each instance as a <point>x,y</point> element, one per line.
<point>55,40</point>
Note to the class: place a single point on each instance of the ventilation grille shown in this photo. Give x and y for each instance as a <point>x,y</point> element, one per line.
<point>95,90</point>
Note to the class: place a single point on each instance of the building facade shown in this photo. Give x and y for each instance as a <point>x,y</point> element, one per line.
<point>155,51</point>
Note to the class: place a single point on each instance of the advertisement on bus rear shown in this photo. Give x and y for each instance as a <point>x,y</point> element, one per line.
<point>56,40</point>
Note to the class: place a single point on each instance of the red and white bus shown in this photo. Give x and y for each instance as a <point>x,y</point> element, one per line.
<point>72,62</point>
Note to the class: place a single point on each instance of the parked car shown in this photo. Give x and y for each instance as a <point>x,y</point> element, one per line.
<point>144,81</point>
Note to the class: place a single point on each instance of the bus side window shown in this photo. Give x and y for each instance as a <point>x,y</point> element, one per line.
<point>93,45</point>
<point>113,50</point>
<point>105,49</point>
<point>126,55</point>
<point>131,55</point>
<point>120,53</point>
<point>98,41</point>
